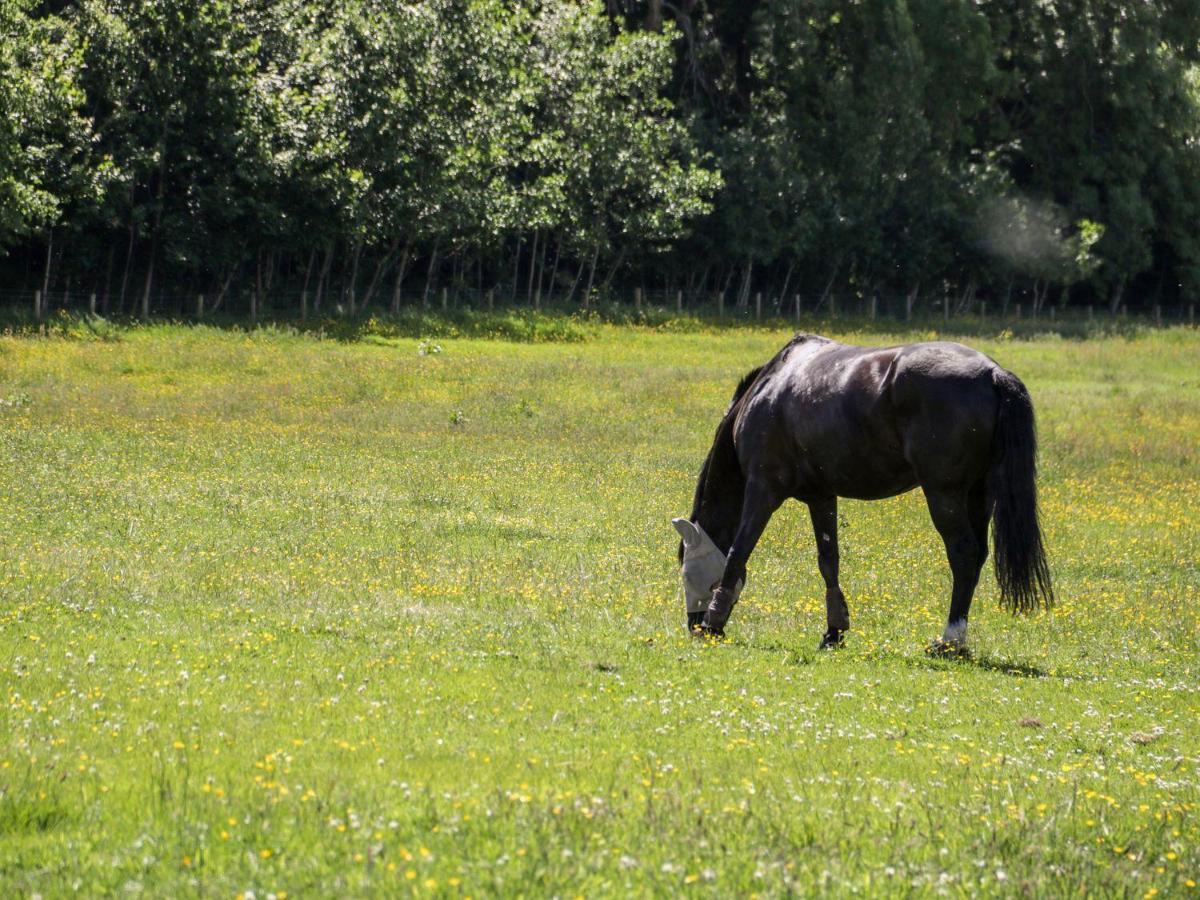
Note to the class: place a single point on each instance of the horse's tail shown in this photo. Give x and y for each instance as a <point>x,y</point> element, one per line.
<point>1020,557</point>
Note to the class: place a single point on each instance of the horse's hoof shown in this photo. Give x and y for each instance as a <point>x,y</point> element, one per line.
<point>940,649</point>
<point>694,620</point>
<point>710,631</point>
<point>833,640</point>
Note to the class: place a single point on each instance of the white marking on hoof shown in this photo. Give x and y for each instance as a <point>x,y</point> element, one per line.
<point>956,634</point>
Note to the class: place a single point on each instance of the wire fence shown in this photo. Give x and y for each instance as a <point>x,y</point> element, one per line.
<point>759,306</point>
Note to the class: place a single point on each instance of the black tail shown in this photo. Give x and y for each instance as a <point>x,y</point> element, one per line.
<point>1019,556</point>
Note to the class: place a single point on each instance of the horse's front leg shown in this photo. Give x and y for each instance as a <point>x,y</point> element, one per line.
<point>837,615</point>
<point>758,505</point>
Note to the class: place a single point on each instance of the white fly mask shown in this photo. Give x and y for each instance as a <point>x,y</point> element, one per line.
<point>703,566</point>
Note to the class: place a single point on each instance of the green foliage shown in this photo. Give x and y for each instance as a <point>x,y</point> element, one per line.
<point>529,147</point>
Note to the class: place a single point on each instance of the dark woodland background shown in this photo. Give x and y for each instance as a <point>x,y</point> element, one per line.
<point>913,155</point>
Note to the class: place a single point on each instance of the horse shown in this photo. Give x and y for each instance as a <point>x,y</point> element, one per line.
<point>823,420</point>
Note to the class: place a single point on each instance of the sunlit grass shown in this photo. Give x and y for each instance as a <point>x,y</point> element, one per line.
<point>286,614</point>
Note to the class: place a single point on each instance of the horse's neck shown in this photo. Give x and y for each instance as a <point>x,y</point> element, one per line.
<point>718,503</point>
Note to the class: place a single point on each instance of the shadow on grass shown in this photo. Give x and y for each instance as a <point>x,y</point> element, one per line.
<point>557,325</point>
<point>984,663</point>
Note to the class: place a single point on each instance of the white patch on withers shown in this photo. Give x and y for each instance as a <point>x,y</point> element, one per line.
<point>956,634</point>
<point>703,565</point>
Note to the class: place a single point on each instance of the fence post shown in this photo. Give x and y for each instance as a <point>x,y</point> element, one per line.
<point>637,298</point>
<point>37,305</point>
<point>445,298</point>
<point>92,304</point>
<point>721,305</point>
<point>254,306</point>
<point>491,299</point>
<point>797,307</point>
<point>679,301</point>
<point>1091,312</point>
<point>303,306</point>
<point>200,306</point>
<point>1124,310</point>
<point>982,309</point>
<point>537,297</point>
<point>1191,313</point>
<point>1018,309</point>
<point>1157,316</point>
<point>1054,314</point>
<point>758,305</point>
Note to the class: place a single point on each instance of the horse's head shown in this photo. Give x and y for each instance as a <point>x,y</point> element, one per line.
<point>701,564</point>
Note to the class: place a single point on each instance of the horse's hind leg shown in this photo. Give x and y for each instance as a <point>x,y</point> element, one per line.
<point>961,519</point>
<point>837,615</point>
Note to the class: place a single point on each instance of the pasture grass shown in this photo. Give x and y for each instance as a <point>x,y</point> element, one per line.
<point>301,616</point>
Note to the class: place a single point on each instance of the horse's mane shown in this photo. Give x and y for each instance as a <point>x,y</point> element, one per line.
<point>723,434</point>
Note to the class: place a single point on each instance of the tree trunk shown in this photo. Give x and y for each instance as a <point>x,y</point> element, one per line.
<point>1115,298</point>
<point>328,262</point>
<point>358,246</point>
<point>380,269</point>
<point>516,272</point>
<point>553,271</point>
<point>158,205</point>
<point>312,256</point>
<point>787,279</point>
<point>575,283</point>
<point>46,274</point>
<point>532,265</point>
<point>400,272</point>
<point>747,277</point>
<point>587,294</point>
<point>107,279</point>
<point>829,284</point>
<point>613,271</point>
<point>429,273</point>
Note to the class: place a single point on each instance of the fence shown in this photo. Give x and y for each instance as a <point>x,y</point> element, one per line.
<point>293,304</point>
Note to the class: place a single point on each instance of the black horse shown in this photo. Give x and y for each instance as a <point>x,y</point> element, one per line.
<point>824,420</point>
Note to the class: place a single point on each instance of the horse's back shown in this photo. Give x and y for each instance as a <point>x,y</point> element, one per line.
<point>869,421</point>
<point>944,399</point>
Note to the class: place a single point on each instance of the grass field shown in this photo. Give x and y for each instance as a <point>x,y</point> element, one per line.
<point>309,616</point>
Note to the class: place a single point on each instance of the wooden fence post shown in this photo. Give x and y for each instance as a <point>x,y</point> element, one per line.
<point>445,298</point>
<point>797,307</point>
<point>491,299</point>
<point>200,306</point>
<point>92,304</point>
<point>1091,312</point>
<point>1018,309</point>
<point>1191,313</point>
<point>873,304</point>
<point>721,305</point>
<point>1054,314</point>
<point>37,305</point>
<point>679,301</point>
<point>1157,316</point>
<point>982,309</point>
<point>637,298</point>
<point>758,305</point>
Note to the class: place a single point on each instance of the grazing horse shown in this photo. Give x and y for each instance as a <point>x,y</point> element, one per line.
<point>824,420</point>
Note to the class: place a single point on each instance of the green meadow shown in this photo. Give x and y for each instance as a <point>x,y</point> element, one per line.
<point>395,611</point>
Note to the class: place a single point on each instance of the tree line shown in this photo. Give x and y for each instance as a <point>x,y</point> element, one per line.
<point>372,154</point>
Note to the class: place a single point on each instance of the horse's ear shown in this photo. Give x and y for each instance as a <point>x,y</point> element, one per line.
<point>687,531</point>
